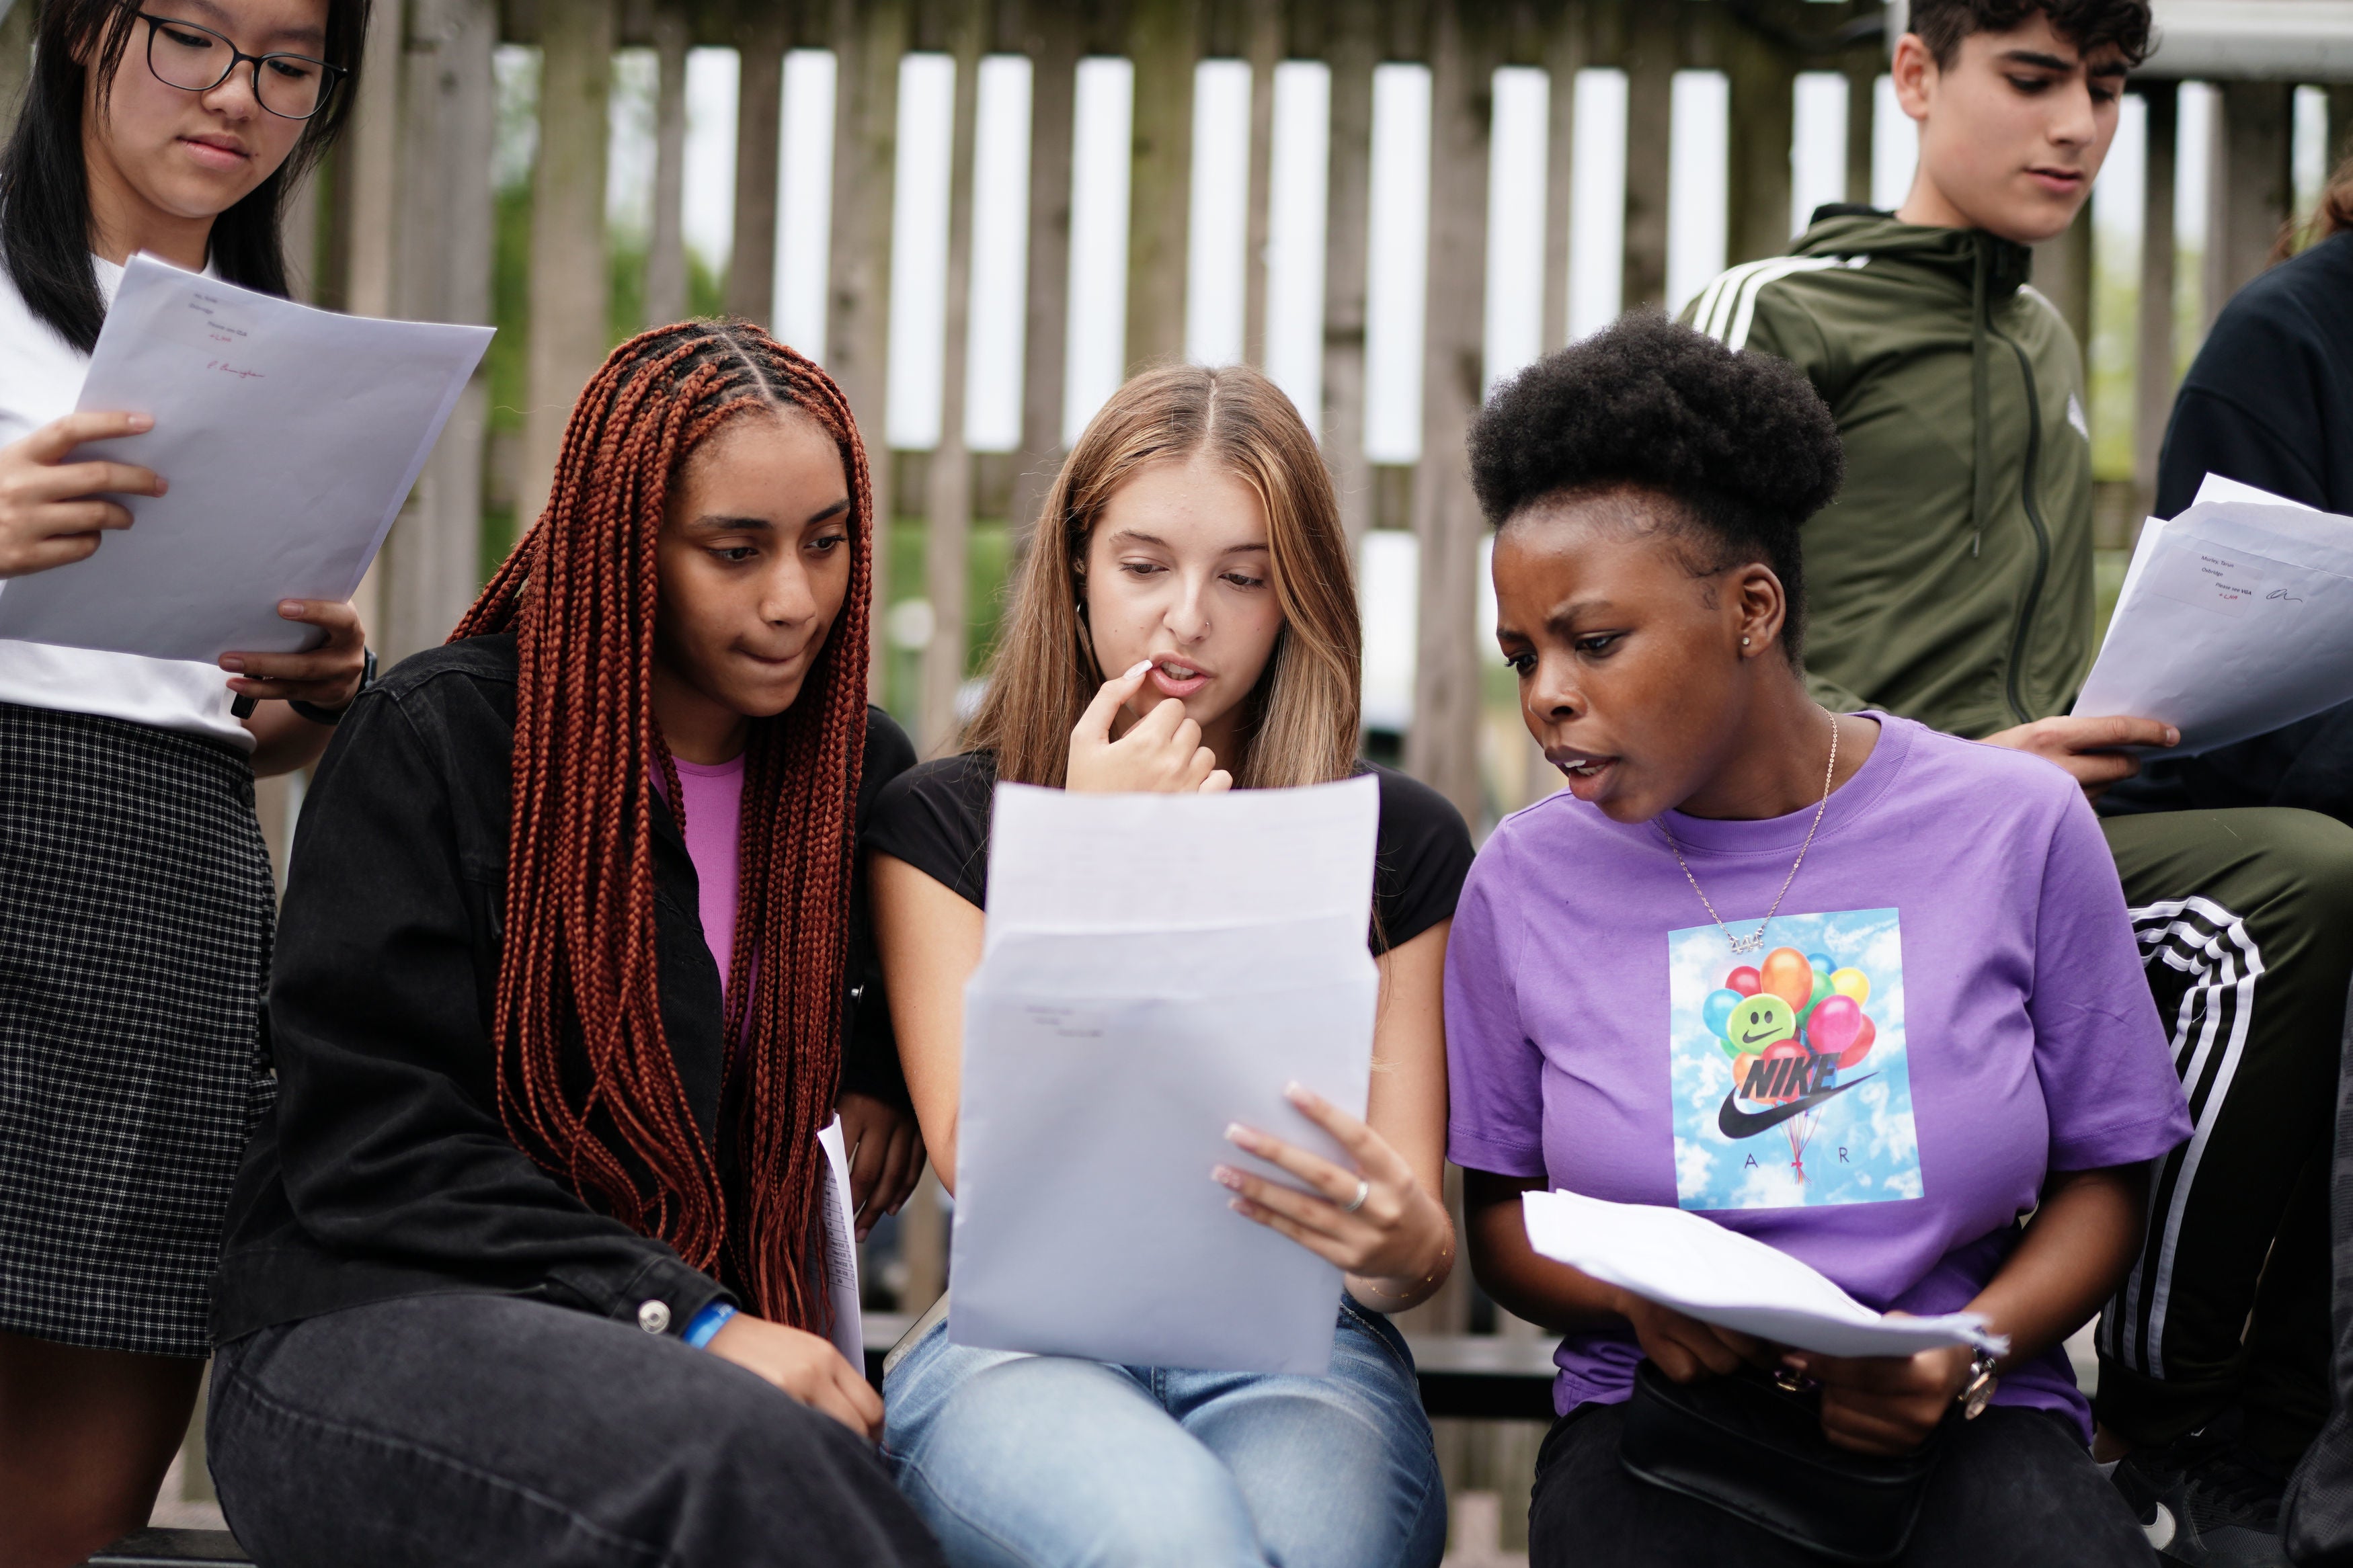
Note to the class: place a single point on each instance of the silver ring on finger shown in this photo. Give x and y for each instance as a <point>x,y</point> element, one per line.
<point>1364,1191</point>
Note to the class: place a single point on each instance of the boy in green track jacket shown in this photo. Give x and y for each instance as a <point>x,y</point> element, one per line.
<point>1952,582</point>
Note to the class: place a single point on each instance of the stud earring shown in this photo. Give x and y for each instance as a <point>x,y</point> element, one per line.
<point>1743,642</point>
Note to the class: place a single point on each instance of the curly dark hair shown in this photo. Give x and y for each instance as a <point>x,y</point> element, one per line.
<point>1740,443</point>
<point>2089,24</point>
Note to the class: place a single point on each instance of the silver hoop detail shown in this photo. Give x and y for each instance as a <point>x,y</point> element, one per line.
<point>1364,1191</point>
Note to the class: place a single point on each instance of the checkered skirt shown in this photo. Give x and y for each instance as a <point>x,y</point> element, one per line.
<point>135,909</point>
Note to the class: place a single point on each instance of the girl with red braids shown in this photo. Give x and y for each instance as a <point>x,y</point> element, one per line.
<point>526,1267</point>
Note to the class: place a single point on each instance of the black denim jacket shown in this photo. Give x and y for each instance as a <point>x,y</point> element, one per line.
<point>384,1170</point>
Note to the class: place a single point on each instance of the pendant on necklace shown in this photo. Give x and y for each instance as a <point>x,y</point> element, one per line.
<point>1749,944</point>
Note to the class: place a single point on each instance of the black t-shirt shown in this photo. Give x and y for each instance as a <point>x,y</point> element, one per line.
<point>2268,403</point>
<point>935,816</point>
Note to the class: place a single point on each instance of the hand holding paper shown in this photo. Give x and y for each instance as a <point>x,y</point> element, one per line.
<point>1703,1271</point>
<point>1157,967</point>
<point>2236,617</point>
<point>287,439</point>
<point>54,505</point>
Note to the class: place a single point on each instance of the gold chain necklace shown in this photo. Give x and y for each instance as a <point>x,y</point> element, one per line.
<point>1755,941</point>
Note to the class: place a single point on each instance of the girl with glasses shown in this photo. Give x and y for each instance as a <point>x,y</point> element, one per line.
<point>135,933</point>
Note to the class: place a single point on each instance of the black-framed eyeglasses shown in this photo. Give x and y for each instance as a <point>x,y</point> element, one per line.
<point>197,60</point>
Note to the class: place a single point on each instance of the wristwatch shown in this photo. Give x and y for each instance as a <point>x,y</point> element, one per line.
<point>1977,1389</point>
<point>333,716</point>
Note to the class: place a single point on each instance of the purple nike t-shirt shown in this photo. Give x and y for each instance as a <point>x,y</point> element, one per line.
<point>1948,1006</point>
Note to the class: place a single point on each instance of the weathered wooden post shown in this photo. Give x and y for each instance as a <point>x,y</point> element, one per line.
<point>666,290</point>
<point>2252,190</point>
<point>759,117</point>
<point>1164,42</point>
<point>1651,49</point>
<point>948,509</point>
<point>2340,123</point>
<point>2063,272</point>
<point>1350,50</point>
<point>371,171</point>
<point>1263,47</point>
<point>1862,106</point>
<point>1763,75</point>
<point>1052,40</point>
<point>868,37</point>
<point>567,233</point>
<point>442,273</point>
<point>1566,52</point>
<point>15,57</point>
<point>2153,334</point>
<point>1442,748</point>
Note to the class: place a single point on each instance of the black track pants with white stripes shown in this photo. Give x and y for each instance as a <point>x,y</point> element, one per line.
<point>2245,921</point>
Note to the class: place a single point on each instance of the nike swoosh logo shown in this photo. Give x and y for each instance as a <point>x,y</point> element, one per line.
<point>1735,1123</point>
<point>1767,1035</point>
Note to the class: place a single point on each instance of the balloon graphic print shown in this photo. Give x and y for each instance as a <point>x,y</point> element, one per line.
<point>1790,1066</point>
<point>1791,1030</point>
<point>1789,976</point>
<point>1716,1011</point>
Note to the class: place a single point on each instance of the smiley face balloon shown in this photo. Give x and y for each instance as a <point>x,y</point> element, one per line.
<point>1759,1021</point>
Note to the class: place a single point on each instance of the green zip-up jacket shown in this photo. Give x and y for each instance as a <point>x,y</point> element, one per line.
<point>1951,581</point>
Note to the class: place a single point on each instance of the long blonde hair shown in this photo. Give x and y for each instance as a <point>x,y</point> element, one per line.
<point>1300,726</point>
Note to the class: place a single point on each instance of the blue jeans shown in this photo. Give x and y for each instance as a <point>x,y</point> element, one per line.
<point>1023,1461</point>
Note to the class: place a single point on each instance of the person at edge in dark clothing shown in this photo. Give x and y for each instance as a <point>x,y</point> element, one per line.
<point>527,1266</point>
<point>2269,402</point>
<point>1952,583</point>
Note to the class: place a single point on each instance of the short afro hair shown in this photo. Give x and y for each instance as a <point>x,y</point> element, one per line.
<point>1741,441</point>
<point>2089,24</point>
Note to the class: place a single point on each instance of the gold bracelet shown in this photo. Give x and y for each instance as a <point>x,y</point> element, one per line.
<point>1445,1261</point>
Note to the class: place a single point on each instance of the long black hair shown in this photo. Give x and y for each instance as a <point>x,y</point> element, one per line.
<point>45,222</point>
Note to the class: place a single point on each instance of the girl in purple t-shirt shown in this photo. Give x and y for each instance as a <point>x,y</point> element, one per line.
<point>1860,990</point>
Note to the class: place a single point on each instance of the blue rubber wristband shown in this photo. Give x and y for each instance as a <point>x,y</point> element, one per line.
<point>707,1325</point>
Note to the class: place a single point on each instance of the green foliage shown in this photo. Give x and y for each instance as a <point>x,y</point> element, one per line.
<point>509,359</point>
<point>2113,354</point>
<point>625,288</point>
<point>988,566</point>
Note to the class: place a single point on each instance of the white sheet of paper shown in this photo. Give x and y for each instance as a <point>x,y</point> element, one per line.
<point>2235,617</point>
<point>1157,966</point>
<point>2218,487</point>
<point>1691,1263</point>
<point>289,437</point>
<point>1149,862</point>
<point>841,1249</point>
<point>2214,488</point>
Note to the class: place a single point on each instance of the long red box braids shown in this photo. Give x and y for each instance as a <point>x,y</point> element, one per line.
<point>586,1084</point>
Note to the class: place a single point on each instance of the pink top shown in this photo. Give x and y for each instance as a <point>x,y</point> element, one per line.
<point>715,814</point>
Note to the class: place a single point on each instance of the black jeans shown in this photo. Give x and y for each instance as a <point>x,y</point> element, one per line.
<point>2015,1489</point>
<point>447,1431</point>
